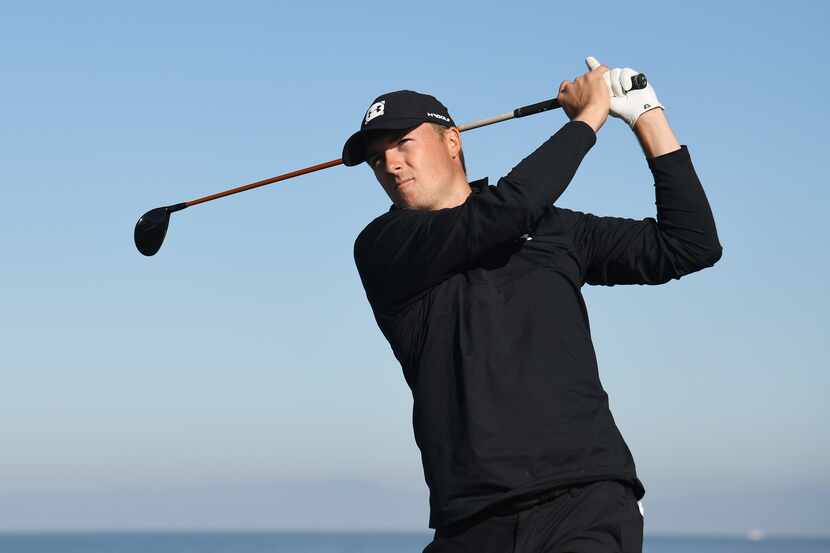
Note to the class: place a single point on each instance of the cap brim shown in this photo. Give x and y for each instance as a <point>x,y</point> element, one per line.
<point>354,151</point>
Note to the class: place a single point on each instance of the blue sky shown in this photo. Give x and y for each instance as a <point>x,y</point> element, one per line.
<point>237,379</point>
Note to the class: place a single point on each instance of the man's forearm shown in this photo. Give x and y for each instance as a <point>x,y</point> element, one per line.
<point>655,136</point>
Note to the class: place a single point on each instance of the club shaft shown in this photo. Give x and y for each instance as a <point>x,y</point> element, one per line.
<point>518,112</point>
<point>484,122</point>
<point>259,183</point>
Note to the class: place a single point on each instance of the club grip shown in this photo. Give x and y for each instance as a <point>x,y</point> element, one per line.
<point>638,82</point>
<point>538,107</point>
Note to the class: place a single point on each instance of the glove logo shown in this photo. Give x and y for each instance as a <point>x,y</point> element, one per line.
<point>375,110</point>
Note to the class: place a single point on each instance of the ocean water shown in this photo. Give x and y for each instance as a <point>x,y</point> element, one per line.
<point>296,542</point>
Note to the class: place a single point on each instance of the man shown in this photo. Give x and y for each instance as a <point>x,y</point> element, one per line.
<point>477,290</point>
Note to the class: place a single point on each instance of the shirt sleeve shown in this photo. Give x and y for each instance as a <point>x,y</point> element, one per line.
<point>682,239</point>
<point>405,252</point>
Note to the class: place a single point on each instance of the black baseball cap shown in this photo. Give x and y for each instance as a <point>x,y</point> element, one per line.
<point>397,110</point>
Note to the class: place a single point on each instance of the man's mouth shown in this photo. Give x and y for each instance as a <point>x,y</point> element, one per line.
<point>401,183</point>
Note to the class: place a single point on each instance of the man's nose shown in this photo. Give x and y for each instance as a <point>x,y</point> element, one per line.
<point>392,160</point>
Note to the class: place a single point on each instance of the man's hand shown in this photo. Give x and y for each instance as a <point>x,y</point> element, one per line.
<point>627,104</point>
<point>587,98</point>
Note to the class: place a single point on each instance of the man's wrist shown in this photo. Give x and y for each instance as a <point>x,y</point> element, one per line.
<point>594,118</point>
<point>654,133</point>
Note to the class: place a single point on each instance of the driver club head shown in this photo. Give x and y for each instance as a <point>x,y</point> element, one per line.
<point>151,229</point>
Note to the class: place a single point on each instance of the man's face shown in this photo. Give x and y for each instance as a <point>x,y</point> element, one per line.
<point>413,166</point>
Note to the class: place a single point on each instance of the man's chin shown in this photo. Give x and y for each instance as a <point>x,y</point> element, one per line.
<point>407,202</point>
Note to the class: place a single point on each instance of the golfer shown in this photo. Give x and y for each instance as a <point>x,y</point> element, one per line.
<point>477,289</point>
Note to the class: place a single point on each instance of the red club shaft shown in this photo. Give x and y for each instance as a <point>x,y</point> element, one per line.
<point>259,183</point>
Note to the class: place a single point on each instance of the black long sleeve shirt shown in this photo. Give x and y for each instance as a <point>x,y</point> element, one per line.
<point>482,307</point>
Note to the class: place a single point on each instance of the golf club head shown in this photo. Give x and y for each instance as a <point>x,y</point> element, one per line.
<point>151,229</point>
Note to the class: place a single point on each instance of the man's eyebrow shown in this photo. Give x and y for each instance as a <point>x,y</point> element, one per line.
<point>373,144</point>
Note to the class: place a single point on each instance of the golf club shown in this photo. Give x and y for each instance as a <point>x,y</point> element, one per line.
<point>151,227</point>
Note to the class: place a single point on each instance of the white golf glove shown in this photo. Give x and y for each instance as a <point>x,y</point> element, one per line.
<point>627,104</point>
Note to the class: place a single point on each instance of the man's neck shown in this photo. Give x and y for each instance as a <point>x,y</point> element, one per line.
<point>459,191</point>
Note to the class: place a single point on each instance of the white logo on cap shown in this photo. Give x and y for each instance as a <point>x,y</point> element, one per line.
<point>375,110</point>
<point>439,116</point>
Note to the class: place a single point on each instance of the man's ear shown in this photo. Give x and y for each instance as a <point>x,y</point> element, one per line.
<point>452,139</point>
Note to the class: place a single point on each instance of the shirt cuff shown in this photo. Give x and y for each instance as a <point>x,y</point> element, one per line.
<point>582,130</point>
<point>671,159</point>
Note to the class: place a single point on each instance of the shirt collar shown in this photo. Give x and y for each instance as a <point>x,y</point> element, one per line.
<point>476,185</point>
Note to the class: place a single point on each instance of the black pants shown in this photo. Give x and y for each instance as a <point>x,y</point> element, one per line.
<point>600,517</point>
